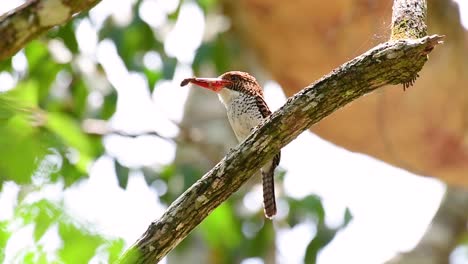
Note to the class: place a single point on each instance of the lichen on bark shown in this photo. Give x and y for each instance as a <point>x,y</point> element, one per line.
<point>408,19</point>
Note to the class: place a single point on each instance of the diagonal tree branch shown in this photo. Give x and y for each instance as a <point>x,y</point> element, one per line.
<point>27,21</point>
<point>393,62</point>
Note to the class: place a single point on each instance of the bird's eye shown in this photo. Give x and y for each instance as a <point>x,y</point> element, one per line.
<point>234,78</point>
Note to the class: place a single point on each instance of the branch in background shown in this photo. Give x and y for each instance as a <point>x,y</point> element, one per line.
<point>394,62</point>
<point>27,21</point>
<point>186,136</point>
<point>444,233</point>
<point>102,128</point>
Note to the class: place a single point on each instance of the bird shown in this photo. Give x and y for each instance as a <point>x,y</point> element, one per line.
<point>246,108</point>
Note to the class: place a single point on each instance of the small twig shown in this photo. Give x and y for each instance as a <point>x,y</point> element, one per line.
<point>149,133</point>
<point>185,137</point>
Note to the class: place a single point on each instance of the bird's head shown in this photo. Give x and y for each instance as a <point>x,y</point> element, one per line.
<point>233,80</point>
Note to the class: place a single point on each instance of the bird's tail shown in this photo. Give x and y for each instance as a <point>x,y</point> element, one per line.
<point>268,178</point>
<point>269,201</point>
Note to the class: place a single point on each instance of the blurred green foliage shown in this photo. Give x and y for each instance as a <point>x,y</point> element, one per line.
<point>42,137</point>
<point>78,244</point>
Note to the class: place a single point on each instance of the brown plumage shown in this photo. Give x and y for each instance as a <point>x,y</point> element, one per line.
<point>246,109</point>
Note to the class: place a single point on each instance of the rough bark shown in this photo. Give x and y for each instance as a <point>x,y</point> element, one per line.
<point>423,130</point>
<point>394,62</point>
<point>409,22</point>
<point>444,233</point>
<point>26,22</point>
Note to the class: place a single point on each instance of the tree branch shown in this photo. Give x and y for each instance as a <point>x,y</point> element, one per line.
<point>393,62</point>
<point>34,17</point>
<point>409,19</point>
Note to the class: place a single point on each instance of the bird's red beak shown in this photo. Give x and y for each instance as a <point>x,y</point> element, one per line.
<point>214,84</point>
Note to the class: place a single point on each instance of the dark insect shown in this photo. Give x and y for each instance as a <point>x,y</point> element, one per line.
<point>186,81</point>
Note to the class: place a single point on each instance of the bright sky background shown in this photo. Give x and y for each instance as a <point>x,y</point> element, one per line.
<point>391,207</point>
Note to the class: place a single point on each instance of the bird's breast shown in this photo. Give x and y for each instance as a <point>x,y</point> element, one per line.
<point>244,115</point>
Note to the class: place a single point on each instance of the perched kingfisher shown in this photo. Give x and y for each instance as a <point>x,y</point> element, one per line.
<point>246,109</point>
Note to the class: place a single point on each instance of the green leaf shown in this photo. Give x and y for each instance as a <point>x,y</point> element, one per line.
<point>36,52</point>
<point>42,214</point>
<point>4,236</point>
<point>5,65</point>
<point>137,38</point>
<point>67,34</point>
<point>30,257</point>
<point>219,52</point>
<point>149,174</point>
<point>21,146</point>
<point>207,5</point>
<point>174,15</point>
<point>222,54</point>
<point>153,77</point>
<point>190,173</point>
<point>347,218</point>
<point>169,66</point>
<point>109,105</point>
<point>26,93</point>
<point>122,174</point>
<point>42,68</point>
<point>79,246</point>
<point>313,203</point>
<point>9,107</point>
<point>309,206</point>
<point>71,173</point>
<point>47,214</point>
<point>79,92</point>
<point>69,130</point>
<point>323,237</point>
<point>203,55</point>
<point>314,247</point>
<point>260,245</point>
<point>167,172</point>
<point>115,249</point>
<point>221,221</point>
